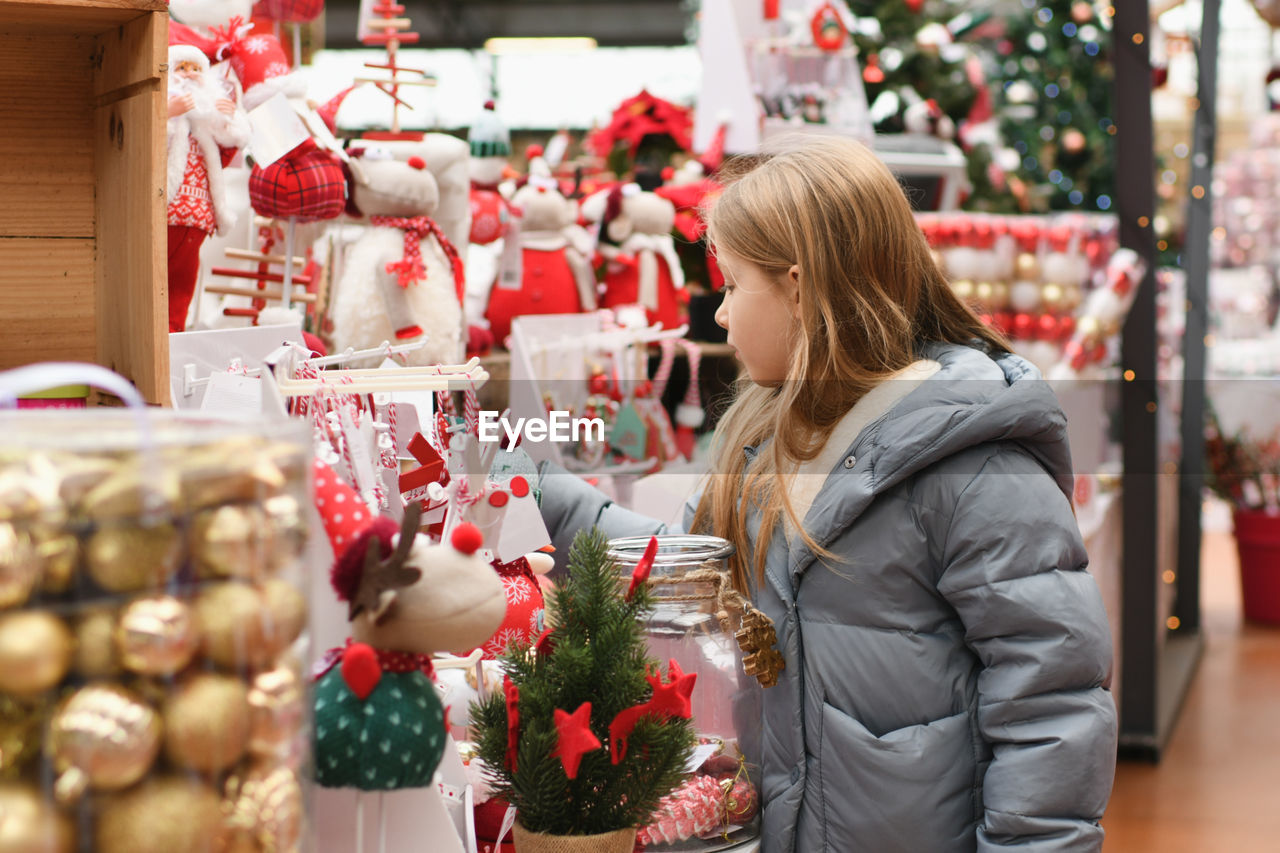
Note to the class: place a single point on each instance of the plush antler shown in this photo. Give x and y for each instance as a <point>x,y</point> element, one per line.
<point>380,575</point>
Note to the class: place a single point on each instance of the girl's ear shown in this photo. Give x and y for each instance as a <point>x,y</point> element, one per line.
<point>792,286</point>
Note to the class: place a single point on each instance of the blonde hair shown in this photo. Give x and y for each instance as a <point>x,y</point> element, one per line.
<point>870,293</point>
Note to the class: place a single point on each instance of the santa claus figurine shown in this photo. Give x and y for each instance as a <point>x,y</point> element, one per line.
<point>205,128</point>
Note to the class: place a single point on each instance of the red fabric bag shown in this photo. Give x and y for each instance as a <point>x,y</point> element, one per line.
<point>306,183</point>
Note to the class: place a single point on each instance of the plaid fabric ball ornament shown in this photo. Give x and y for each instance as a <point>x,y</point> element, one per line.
<point>306,183</point>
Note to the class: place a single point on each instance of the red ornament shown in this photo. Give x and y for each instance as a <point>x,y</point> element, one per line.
<point>673,698</point>
<point>873,73</point>
<point>512,695</point>
<point>1046,327</point>
<point>361,670</point>
<point>620,729</point>
<point>432,467</point>
<point>1022,325</point>
<point>829,32</point>
<point>914,6</point>
<point>1066,327</point>
<point>467,538</point>
<point>641,573</point>
<point>771,10</point>
<point>545,645</point>
<point>575,738</point>
<point>519,486</point>
<point>498,498</point>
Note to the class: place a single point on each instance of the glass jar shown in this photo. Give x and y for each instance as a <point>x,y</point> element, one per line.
<point>152,631</point>
<point>695,618</point>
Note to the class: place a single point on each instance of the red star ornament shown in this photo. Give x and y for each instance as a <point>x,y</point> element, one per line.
<point>674,697</point>
<point>622,726</point>
<point>575,738</point>
<point>641,573</point>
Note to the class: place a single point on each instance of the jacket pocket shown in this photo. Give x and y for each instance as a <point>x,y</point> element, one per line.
<point>909,790</point>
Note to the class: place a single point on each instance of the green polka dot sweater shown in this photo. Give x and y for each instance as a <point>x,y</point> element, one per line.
<point>393,738</point>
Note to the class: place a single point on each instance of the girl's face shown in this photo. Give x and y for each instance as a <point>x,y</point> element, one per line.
<point>760,312</point>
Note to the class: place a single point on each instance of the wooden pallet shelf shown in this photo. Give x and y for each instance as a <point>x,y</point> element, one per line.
<point>82,195</point>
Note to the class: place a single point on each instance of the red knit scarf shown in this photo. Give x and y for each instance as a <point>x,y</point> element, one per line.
<point>410,269</point>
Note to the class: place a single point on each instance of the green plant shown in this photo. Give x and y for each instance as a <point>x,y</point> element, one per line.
<point>541,759</point>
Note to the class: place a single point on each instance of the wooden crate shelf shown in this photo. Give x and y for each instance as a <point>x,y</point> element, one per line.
<point>82,192</point>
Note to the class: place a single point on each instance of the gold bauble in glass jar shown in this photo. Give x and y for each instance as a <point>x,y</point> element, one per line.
<point>102,737</point>
<point>206,722</point>
<point>156,635</point>
<point>19,565</point>
<point>35,652</point>
<point>29,823</point>
<point>163,815</point>
<point>131,558</point>
<point>96,655</point>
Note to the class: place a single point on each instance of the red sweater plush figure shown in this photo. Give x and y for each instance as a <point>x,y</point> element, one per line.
<point>204,129</point>
<point>635,241</point>
<point>556,277</point>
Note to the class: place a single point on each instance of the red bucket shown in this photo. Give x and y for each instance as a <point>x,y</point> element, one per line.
<point>1258,543</point>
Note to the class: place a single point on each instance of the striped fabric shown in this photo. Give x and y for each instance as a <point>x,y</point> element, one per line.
<point>306,183</point>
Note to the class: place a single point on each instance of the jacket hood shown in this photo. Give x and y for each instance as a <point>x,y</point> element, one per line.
<point>974,398</point>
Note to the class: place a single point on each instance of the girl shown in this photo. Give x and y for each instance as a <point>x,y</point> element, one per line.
<point>897,484</point>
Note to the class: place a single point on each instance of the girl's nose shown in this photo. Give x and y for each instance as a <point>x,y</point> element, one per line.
<point>722,316</point>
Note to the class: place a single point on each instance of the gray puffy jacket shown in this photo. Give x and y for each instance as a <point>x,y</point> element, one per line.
<point>943,683</point>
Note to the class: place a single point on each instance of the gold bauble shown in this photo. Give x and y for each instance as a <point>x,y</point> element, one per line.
<point>288,526</point>
<point>35,652</point>
<point>132,558</point>
<point>102,737</point>
<point>230,542</point>
<point>231,471</point>
<point>1027,267</point>
<point>157,635</point>
<point>19,565</point>
<point>31,824</point>
<point>1088,329</point>
<point>206,722</point>
<point>59,554</point>
<point>96,655</point>
<point>21,497</point>
<point>285,617</point>
<point>1051,297</point>
<point>276,710</point>
<point>20,732</point>
<point>79,475</point>
<point>130,491</point>
<point>1071,297</point>
<point>163,815</point>
<point>984,293</point>
<point>232,623</point>
<point>1000,295</point>
<point>963,288</point>
<point>266,803</point>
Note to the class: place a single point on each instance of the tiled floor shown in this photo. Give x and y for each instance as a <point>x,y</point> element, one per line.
<point>1217,789</point>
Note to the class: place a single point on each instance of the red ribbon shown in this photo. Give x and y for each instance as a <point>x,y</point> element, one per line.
<point>410,269</point>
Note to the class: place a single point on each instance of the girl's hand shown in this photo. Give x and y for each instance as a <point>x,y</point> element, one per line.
<point>225,106</point>
<point>179,104</point>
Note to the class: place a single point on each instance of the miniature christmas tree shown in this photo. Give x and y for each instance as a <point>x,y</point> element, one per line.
<point>587,736</point>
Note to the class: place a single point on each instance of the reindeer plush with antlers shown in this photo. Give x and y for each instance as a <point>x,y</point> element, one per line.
<point>379,724</point>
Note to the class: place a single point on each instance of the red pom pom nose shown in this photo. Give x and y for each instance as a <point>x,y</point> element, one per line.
<point>417,162</point>
<point>467,538</point>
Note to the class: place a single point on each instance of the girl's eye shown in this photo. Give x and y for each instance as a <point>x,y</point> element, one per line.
<point>728,288</point>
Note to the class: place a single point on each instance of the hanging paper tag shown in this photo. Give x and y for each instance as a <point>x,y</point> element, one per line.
<point>700,756</point>
<point>358,445</point>
<point>511,265</point>
<point>277,130</point>
<point>233,392</point>
<point>522,530</point>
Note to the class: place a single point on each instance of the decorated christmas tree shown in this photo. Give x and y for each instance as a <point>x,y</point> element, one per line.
<point>588,735</point>
<point>1053,80</point>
